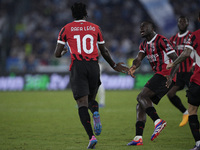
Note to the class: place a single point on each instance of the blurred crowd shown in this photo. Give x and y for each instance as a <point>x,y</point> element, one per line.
<point>29,30</point>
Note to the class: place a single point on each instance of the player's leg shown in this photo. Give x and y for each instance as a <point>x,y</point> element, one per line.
<point>194,124</point>
<point>85,119</point>
<point>140,124</point>
<point>94,83</point>
<point>193,95</point>
<point>176,101</point>
<point>145,100</point>
<point>92,103</point>
<point>94,107</point>
<point>101,96</point>
<point>101,92</point>
<point>84,115</point>
<point>153,91</point>
<point>80,88</point>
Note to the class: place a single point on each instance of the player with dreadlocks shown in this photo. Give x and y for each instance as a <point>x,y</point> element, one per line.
<point>82,38</point>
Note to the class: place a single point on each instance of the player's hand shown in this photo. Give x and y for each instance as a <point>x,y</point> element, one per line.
<point>121,68</point>
<point>170,65</point>
<point>169,81</point>
<point>132,71</point>
<point>65,50</point>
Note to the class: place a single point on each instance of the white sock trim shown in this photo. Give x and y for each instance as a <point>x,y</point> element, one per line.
<point>157,121</point>
<point>136,138</point>
<point>186,112</point>
<point>197,143</point>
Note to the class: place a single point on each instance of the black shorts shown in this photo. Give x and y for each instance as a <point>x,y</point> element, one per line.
<point>183,78</point>
<point>158,85</point>
<point>84,78</point>
<point>193,94</point>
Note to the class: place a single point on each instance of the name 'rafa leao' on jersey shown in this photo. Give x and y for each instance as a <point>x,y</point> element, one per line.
<point>82,38</point>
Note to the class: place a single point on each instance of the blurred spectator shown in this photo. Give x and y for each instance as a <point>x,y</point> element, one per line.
<point>36,25</point>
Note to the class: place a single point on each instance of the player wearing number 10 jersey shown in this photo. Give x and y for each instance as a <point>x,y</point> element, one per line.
<point>82,38</point>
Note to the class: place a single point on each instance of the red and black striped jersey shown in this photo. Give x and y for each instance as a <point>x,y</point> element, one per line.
<point>178,42</point>
<point>194,44</point>
<point>82,38</point>
<point>156,52</point>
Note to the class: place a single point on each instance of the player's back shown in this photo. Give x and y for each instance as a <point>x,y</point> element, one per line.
<point>82,37</point>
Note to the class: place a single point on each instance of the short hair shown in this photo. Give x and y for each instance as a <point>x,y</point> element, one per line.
<point>151,23</point>
<point>79,10</point>
<point>183,17</point>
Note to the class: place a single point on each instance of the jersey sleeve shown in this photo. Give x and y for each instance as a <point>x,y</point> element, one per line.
<point>191,42</point>
<point>167,46</point>
<point>62,37</point>
<point>100,37</point>
<point>141,48</point>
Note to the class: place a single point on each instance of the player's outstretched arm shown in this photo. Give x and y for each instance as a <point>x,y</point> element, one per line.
<point>172,56</point>
<point>60,50</point>
<point>106,55</point>
<point>184,55</point>
<point>136,63</point>
<point>175,65</point>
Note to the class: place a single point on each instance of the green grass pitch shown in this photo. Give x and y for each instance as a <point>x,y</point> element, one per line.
<point>48,120</point>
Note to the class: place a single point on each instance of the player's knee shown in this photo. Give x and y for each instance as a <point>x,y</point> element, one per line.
<point>82,102</point>
<point>192,110</point>
<point>140,98</point>
<point>170,94</point>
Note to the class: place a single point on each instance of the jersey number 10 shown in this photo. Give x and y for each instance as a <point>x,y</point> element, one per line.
<point>84,43</point>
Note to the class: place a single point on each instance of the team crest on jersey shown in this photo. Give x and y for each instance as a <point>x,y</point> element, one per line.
<point>152,46</point>
<point>185,41</point>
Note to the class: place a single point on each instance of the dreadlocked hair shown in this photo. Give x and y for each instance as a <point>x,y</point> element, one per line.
<point>79,10</point>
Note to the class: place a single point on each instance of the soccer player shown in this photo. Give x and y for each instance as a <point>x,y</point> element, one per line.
<point>184,73</point>
<point>82,38</point>
<point>193,94</point>
<point>159,52</point>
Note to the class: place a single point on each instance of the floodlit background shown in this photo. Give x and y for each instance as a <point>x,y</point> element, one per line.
<point>29,29</point>
<point>39,119</point>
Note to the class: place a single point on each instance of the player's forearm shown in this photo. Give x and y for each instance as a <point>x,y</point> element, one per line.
<point>180,59</point>
<point>58,50</point>
<point>107,57</point>
<point>184,55</point>
<point>174,70</point>
<point>136,63</point>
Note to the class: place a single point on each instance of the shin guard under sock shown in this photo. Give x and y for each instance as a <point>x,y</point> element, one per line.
<point>152,113</point>
<point>175,100</point>
<point>85,120</point>
<point>139,128</point>
<point>194,126</point>
<point>93,106</point>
